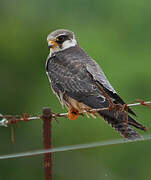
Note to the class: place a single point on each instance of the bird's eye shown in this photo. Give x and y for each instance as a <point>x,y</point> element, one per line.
<point>61,38</point>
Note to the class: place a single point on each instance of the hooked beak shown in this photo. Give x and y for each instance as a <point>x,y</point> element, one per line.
<point>52,44</point>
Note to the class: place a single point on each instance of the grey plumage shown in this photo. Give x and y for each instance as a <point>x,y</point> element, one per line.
<point>75,74</point>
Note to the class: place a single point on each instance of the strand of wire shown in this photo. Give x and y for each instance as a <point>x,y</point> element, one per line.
<point>9,119</point>
<point>73,147</point>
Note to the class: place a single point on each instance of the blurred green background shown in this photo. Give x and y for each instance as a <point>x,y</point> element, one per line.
<point>117,35</point>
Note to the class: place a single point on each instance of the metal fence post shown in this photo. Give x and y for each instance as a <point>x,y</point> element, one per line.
<point>47,140</point>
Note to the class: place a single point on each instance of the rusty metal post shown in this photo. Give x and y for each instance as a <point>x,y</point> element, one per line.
<point>47,138</point>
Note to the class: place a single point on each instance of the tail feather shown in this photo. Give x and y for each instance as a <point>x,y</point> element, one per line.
<point>136,124</point>
<point>122,127</point>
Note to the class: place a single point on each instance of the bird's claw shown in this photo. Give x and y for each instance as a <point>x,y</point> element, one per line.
<point>73,114</point>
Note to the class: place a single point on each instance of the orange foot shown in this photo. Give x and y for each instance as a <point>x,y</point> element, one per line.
<point>73,114</point>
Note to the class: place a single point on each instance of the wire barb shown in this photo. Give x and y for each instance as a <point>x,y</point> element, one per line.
<point>3,121</point>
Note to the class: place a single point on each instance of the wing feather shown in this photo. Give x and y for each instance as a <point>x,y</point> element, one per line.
<point>72,71</point>
<point>94,69</point>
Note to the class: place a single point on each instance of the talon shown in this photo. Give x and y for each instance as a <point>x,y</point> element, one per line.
<point>73,114</point>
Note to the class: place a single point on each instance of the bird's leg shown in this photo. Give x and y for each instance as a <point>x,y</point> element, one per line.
<point>73,113</point>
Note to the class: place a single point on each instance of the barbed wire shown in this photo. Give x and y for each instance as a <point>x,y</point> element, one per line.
<point>5,120</point>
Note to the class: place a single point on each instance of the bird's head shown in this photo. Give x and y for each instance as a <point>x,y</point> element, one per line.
<point>61,39</point>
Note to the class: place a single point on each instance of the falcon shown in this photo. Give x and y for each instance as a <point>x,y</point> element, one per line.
<point>80,84</point>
